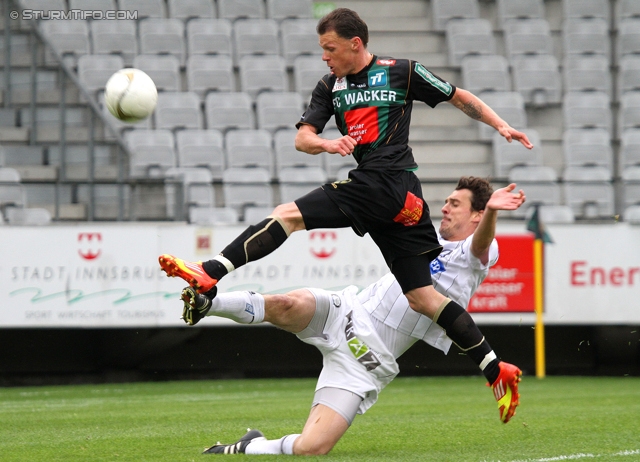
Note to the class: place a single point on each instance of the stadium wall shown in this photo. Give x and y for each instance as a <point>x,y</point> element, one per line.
<point>87,302</point>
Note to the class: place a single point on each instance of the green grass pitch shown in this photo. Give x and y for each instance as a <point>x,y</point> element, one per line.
<point>416,419</point>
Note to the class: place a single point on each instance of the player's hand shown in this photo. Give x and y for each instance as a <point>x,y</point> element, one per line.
<point>505,199</point>
<point>343,146</point>
<point>510,134</point>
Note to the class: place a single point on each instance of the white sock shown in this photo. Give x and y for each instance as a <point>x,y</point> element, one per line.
<point>242,307</point>
<point>282,446</point>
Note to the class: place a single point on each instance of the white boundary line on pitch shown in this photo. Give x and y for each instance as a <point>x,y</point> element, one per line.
<point>630,452</point>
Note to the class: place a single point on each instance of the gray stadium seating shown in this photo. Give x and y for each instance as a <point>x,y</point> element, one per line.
<point>630,148</point>
<point>628,42</point>
<point>145,8</point>
<point>586,36</point>
<point>527,37</point>
<point>202,148</point>
<point>249,148</point>
<point>28,216</point>
<point>631,186</point>
<point>209,36</point>
<point>255,37</point>
<point>485,73</point>
<point>211,216</point>
<point>284,9</point>
<point>178,110</point>
<point>629,112</point>
<point>278,110</point>
<point>247,187</point>
<point>295,182</point>
<point>627,9</point>
<point>334,163</point>
<point>587,110</point>
<point>508,155</point>
<point>69,37</point>
<point>587,73</point>
<point>628,75</point>
<point>467,37</point>
<point>588,147</point>
<point>95,70</point>
<point>632,214</point>
<point>288,156</point>
<point>589,192</point>
<point>299,37</point>
<point>241,9</point>
<point>12,192</point>
<point>507,104</point>
<point>509,10</point>
<point>445,10</point>
<point>190,9</point>
<point>89,5</point>
<point>553,214</point>
<point>163,36</point>
<point>115,37</point>
<point>226,111</point>
<point>263,73</point>
<point>585,9</point>
<point>164,70</point>
<point>210,73</point>
<point>152,153</point>
<point>307,72</point>
<point>186,187</point>
<point>540,185</point>
<point>538,79</point>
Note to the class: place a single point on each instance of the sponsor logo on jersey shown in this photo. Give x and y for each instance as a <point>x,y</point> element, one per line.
<point>377,78</point>
<point>341,84</point>
<point>358,85</point>
<point>369,96</point>
<point>435,82</point>
<point>360,350</point>
<point>411,212</point>
<point>437,266</point>
<point>362,124</point>
<point>386,62</point>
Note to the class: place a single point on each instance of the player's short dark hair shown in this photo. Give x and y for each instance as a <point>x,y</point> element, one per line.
<point>480,188</point>
<point>346,23</point>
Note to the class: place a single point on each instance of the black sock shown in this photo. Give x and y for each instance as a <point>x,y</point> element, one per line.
<point>464,332</point>
<point>258,240</point>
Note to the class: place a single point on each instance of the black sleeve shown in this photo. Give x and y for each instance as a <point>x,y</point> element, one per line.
<point>428,87</point>
<point>320,108</point>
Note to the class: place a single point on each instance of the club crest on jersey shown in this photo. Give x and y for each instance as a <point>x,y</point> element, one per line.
<point>377,78</point>
<point>386,62</point>
<point>437,266</point>
<point>341,84</point>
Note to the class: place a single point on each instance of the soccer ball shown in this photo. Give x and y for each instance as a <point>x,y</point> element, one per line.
<point>130,95</point>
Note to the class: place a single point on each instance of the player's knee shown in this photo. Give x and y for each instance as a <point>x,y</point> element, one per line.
<point>290,215</point>
<point>282,307</point>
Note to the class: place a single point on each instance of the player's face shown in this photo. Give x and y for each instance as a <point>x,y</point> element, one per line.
<point>459,220</point>
<point>339,53</point>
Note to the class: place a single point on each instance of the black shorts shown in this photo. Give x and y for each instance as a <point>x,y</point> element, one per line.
<point>387,205</point>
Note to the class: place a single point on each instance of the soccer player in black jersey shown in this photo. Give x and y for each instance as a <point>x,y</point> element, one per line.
<point>371,98</point>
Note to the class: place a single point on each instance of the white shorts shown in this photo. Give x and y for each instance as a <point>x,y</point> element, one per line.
<point>354,356</point>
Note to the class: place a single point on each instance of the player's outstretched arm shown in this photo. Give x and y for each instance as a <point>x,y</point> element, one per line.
<point>307,140</point>
<point>501,199</point>
<point>477,109</point>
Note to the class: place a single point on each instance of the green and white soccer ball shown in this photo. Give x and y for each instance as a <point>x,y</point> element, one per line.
<point>130,95</point>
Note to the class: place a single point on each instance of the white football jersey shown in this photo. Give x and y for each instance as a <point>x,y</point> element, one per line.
<point>456,274</point>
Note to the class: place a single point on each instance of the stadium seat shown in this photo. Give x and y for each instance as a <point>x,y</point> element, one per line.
<point>587,73</point>
<point>632,214</point>
<point>249,148</point>
<point>509,10</point>
<point>295,182</point>
<point>145,8</point>
<point>335,163</point>
<point>202,148</point>
<point>178,110</point>
<point>287,156</point>
<point>186,10</point>
<point>539,183</point>
<point>226,111</point>
<point>186,187</point>
<point>95,70</point>
<point>631,186</point>
<point>255,37</point>
<point>628,42</point>
<point>12,192</point>
<point>299,37</point>
<point>508,155</point>
<point>538,79</point>
<point>115,37</point>
<point>285,9</point>
<point>254,215</point>
<point>162,37</point>
<point>27,216</point>
<point>466,37</point>
<point>152,153</point>
<point>93,5</point>
<point>629,112</point>
<point>587,110</point>
<point>444,10</point>
<point>507,104</point>
<point>627,9</point>
<point>69,37</point>
<point>553,214</point>
<point>628,75</point>
<point>589,192</point>
<point>211,216</point>
<point>573,9</point>
<point>485,73</point>
<point>630,148</point>
<point>247,187</point>
<point>527,37</point>
<point>586,36</point>
<point>277,110</point>
<point>241,9</point>
<point>587,147</point>
<point>163,69</point>
<point>209,37</point>
<point>263,73</point>
<point>210,73</point>
<point>307,72</point>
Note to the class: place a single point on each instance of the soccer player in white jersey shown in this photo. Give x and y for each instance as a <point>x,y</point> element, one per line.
<point>360,335</point>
